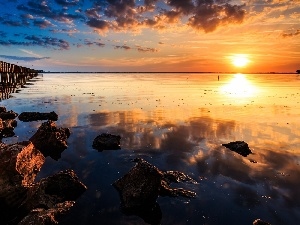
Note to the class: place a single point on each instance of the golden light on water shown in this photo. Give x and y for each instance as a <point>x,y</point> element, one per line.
<point>239,87</point>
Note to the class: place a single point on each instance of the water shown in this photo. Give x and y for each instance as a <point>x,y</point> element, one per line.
<point>176,122</point>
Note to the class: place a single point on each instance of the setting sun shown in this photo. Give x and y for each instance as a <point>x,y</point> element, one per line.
<point>240,60</point>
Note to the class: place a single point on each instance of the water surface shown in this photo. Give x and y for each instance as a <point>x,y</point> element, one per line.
<point>176,122</point>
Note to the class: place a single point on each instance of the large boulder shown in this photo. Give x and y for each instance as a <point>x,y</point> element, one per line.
<point>50,140</point>
<point>19,163</point>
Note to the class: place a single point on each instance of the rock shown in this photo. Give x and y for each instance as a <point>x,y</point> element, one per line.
<point>239,147</point>
<point>2,109</point>
<point>260,222</point>
<point>60,187</point>
<point>43,216</point>
<point>7,128</point>
<point>24,202</point>
<point>107,142</point>
<point>50,140</point>
<point>8,115</point>
<point>142,185</point>
<point>20,163</point>
<point>34,116</point>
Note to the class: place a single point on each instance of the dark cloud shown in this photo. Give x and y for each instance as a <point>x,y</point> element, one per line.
<point>91,43</point>
<point>67,3</point>
<point>48,42</point>
<point>125,47</point>
<point>205,15</point>
<point>209,16</point>
<point>141,49</point>
<point>28,59</point>
<point>32,40</point>
<point>42,23</point>
<point>297,32</point>
<point>98,24</point>
<point>43,10</point>
<point>138,48</point>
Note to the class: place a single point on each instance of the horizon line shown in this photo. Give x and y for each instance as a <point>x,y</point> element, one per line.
<point>171,72</point>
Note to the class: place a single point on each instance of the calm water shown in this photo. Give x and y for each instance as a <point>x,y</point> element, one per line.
<point>176,122</point>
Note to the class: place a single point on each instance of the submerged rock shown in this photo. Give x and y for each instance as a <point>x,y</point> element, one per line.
<point>34,116</point>
<point>107,142</point>
<point>260,222</point>
<point>50,140</point>
<point>142,185</point>
<point>60,187</point>
<point>43,216</point>
<point>239,147</point>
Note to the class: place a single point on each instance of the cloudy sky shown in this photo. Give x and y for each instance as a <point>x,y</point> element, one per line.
<point>152,35</point>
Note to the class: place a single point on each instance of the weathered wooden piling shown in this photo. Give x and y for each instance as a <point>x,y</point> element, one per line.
<point>12,77</point>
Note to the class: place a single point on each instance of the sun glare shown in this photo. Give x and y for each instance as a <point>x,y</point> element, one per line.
<point>240,60</point>
<point>239,87</point>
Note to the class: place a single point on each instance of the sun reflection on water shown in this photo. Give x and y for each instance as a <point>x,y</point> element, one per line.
<point>239,87</point>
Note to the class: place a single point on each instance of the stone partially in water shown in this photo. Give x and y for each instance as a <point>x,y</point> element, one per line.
<point>8,115</point>
<point>60,187</point>
<point>35,116</point>
<point>107,142</point>
<point>50,140</point>
<point>239,147</point>
<point>7,128</point>
<point>142,185</point>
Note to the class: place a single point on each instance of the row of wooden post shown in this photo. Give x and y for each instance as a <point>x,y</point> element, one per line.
<point>12,77</point>
<point>12,68</point>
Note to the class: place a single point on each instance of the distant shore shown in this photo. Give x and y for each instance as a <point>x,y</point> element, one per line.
<point>176,72</point>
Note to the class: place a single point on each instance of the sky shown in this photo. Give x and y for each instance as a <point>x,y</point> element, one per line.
<point>151,35</point>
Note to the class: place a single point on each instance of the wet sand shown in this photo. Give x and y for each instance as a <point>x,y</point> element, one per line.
<point>176,122</point>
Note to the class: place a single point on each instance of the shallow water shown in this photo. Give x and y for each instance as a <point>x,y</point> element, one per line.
<point>176,122</point>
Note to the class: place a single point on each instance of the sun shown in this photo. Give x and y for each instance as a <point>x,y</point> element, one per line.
<point>240,60</point>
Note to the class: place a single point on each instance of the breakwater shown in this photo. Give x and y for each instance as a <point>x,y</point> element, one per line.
<point>13,77</point>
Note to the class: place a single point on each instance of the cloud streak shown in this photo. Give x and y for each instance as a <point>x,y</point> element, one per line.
<point>23,58</point>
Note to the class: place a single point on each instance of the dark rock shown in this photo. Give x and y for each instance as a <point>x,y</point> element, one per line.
<point>34,116</point>
<point>43,216</point>
<point>239,147</point>
<point>50,140</point>
<point>260,222</point>
<point>21,199</point>
<point>142,185</point>
<point>107,142</point>
<point>20,163</point>
<point>8,115</point>
<point>60,187</point>
<point>2,109</point>
<point>7,128</point>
